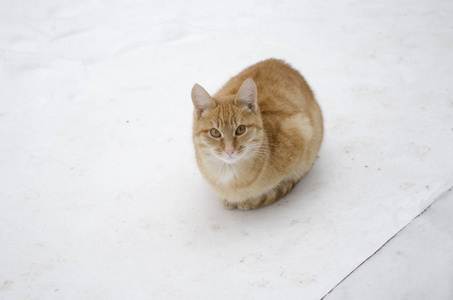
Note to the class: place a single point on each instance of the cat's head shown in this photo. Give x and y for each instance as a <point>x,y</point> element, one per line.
<point>230,128</point>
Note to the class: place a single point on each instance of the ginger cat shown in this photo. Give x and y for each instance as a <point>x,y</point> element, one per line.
<point>258,135</point>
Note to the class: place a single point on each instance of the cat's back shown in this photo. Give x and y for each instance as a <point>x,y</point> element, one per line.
<point>281,88</point>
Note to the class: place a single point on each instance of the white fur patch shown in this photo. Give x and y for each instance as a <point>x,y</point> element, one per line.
<point>302,124</point>
<point>224,173</point>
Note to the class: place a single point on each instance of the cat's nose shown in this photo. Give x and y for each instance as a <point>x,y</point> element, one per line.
<point>229,151</point>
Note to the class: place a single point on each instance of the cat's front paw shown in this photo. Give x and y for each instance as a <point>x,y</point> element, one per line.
<point>228,205</point>
<point>245,206</point>
<point>248,205</point>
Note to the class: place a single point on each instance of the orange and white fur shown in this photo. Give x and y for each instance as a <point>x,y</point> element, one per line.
<point>258,135</point>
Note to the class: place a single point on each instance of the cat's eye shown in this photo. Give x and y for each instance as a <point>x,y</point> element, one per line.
<point>215,133</point>
<point>240,130</point>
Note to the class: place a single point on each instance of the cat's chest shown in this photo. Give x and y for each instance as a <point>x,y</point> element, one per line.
<point>224,174</point>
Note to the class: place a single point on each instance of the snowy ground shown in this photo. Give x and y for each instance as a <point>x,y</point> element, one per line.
<point>100,194</point>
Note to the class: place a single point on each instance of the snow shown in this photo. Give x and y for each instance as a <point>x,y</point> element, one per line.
<point>101,197</point>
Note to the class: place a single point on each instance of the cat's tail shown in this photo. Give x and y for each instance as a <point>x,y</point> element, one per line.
<point>270,197</point>
<point>278,192</point>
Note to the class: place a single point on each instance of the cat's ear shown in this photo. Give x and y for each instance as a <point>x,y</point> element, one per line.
<point>201,100</point>
<point>247,95</point>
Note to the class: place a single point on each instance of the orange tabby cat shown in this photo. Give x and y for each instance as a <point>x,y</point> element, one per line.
<point>257,136</point>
